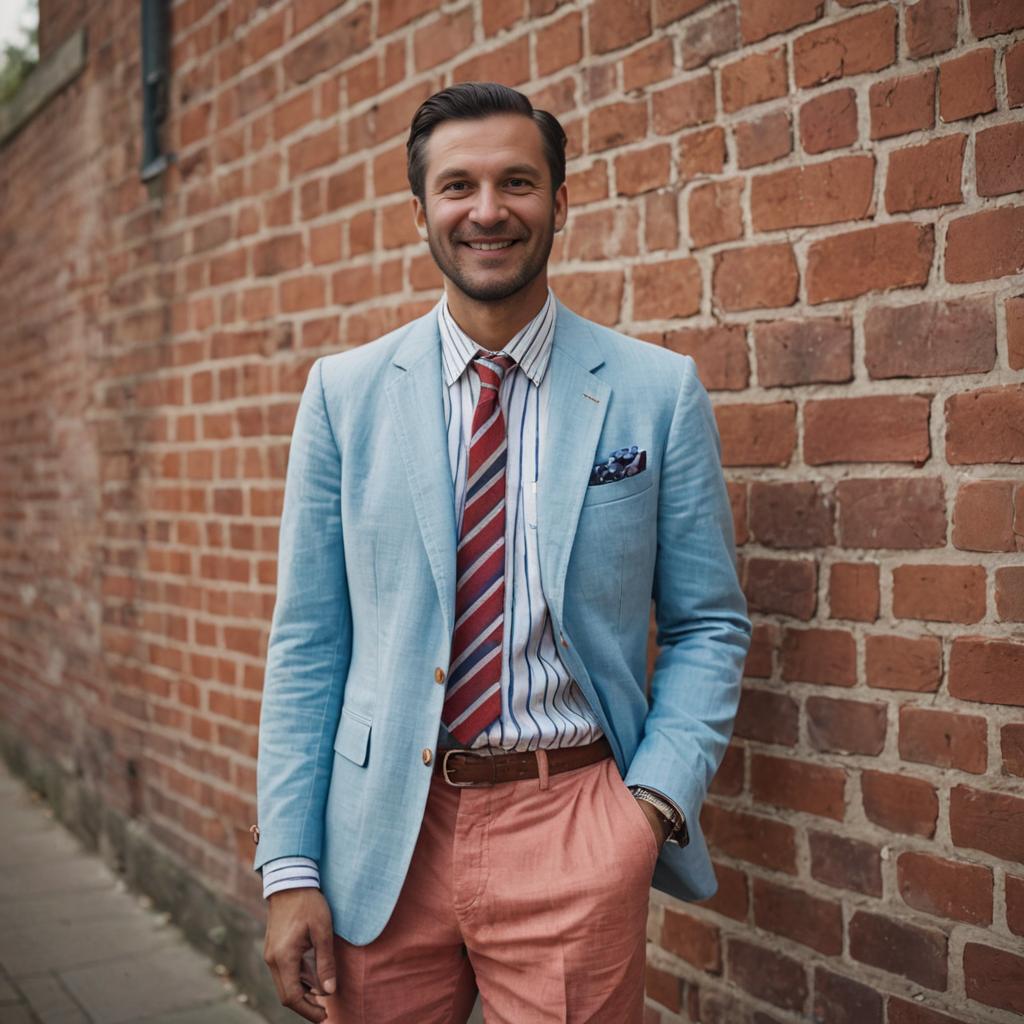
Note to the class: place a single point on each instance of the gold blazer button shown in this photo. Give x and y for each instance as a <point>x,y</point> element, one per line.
<point>427,755</point>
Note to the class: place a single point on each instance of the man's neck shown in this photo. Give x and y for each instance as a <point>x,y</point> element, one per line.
<point>493,324</point>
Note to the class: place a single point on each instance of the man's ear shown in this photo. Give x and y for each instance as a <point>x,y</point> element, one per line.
<point>419,216</point>
<point>561,206</point>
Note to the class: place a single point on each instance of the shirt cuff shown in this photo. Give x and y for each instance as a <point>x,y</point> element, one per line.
<point>290,873</point>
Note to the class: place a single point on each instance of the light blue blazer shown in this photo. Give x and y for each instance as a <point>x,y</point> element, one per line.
<point>366,593</point>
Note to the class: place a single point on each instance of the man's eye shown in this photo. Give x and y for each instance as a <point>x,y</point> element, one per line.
<point>454,185</point>
<point>518,182</point>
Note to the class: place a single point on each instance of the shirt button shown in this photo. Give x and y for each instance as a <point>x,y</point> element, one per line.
<point>427,755</point>
<point>438,675</point>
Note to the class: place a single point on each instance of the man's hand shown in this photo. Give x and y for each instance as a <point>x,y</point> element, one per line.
<point>658,823</point>
<point>299,920</point>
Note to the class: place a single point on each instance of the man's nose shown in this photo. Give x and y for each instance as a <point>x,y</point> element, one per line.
<point>489,207</point>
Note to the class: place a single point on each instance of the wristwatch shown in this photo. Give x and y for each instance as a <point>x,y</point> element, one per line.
<point>679,832</point>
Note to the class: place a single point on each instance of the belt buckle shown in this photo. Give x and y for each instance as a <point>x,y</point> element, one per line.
<point>474,753</point>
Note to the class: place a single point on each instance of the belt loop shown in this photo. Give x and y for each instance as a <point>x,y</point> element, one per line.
<point>542,767</point>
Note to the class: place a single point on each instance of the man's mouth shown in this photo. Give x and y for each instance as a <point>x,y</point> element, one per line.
<point>490,246</point>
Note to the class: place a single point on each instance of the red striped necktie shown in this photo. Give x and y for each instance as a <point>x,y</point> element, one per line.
<point>473,697</point>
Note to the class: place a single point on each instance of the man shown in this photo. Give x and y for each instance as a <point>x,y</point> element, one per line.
<point>478,509</point>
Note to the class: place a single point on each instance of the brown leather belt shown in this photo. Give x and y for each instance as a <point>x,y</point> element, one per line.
<point>461,767</point>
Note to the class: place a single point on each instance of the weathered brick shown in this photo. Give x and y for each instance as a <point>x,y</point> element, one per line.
<point>903,663</point>
<point>829,121</point>
<point>691,939</point>
<point>757,277</point>
<point>992,17</point>
<point>925,176</point>
<point>942,738</point>
<point>753,79</point>
<point>899,948</point>
<point>616,124</point>
<point>967,85</point>
<point>701,152</point>
<point>444,37</point>
<point>986,670</point>
<point>999,157</point>
<point>1015,332</point>
<point>945,888</point>
<point>759,434</point>
<point>560,43</point>
<point>993,976</point>
<point>770,976</point>
<point>720,353</point>
<point>768,717</point>
<point>891,512</point>
<point>845,1001</point>
<point>846,726</point>
<point>763,141</point>
<point>900,803</point>
<point>715,214</point>
<point>750,837</point>
<point>930,339</point>
<point>985,245</point>
<point>803,352</point>
<point>903,1012</point>
<point>983,517</point>
<point>663,987</point>
<point>1015,904</point>
<point>821,193</point>
<point>652,63</point>
<point>617,23</point>
<point>897,255</point>
<point>1010,593</point>
<point>709,36</point>
<point>939,593</point>
<point>853,591</point>
<point>883,428</point>
<point>786,586</point>
<point>845,863</point>
<point>806,919</point>
<point>827,656</point>
<point>984,425</point>
<point>762,18</point>
<point>983,820</point>
<point>790,515</point>
<point>666,289</point>
<point>732,898</point>
<point>930,27</point>
<point>902,105</point>
<point>1013,63</point>
<point>642,170</point>
<point>683,105</point>
<point>864,42</point>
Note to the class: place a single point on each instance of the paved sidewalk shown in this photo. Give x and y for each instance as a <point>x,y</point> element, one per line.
<point>77,948</point>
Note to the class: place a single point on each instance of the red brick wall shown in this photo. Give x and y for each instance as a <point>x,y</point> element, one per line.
<point>818,199</point>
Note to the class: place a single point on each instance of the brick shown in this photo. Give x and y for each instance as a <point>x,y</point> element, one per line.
<point>445,37</point>
<point>602,234</point>
<point>790,515</point>
<point>756,78</point>
<point>509,64</point>
<point>652,63</point>
<point>897,255</point>
<point>616,124</point>
<point>989,821</point>
<point>785,586</point>
<point>666,289</point>
<point>925,176</point>
<point>715,214</point>
<point>762,18</point>
<point>985,245</point>
<point>853,591</point>
<point>709,36</point>
<point>1015,904</point>
<point>558,44</point>
<point>939,593</point>
<point>614,24</point>
<point>400,12</point>
<point>846,726</point>
<point>642,170</point>
<point>683,105</point>
<point>732,898</point>
<point>795,914</point>
<point>882,428</point>
<point>986,670</point>
<point>770,976</point>
<point>498,15</point>
<point>945,888</point>
<point>692,940</point>
<point>1013,64</point>
<point>701,152</point>
<point>984,425</point>
<point>600,294</point>
<point>930,339</point>
<point>900,803</point>
<point>821,193</point>
<point>967,86</point>
<point>845,863</point>
<point>1015,332</point>
<point>763,141</point>
<point>331,47</point>
<point>663,987</point>
<point>720,353</point>
<point>757,277</point>
<point>993,976</point>
<point>750,837</point>
<point>943,738</point>
<point>993,17</point>
<point>588,185</point>
<point>983,517</point>
<point>728,780</point>
<point>899,948</point>
<point>901,1012</point>
<point>661,231</point>
<point>668,11</point>
<point>865,42</point>
<point>768,717</point>
<point>760,655</point>
<point>803,352</point>
<point>826,656</point>
<point>902,105</point>
<point>999,157</point>
<point>1010,593</point>
<point>844,1001</point>
<point>903,663</point>
<point>759,434</point>
<point>829,121</point>
<point>930,27</point>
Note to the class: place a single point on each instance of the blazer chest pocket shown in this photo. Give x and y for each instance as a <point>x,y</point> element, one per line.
<point>352,739</point>
<point>604,494</point>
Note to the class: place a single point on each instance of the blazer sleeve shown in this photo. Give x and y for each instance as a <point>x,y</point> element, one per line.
<point>310,642</point>
<point>701,613</point>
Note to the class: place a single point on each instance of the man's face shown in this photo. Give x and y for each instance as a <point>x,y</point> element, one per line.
<point>490,215</point>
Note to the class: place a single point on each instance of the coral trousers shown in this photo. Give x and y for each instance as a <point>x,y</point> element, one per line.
<point>533,893</point>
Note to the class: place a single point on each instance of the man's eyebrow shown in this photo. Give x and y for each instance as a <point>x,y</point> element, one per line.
<point>525,170</point>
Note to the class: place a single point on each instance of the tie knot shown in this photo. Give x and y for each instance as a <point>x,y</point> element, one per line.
<point>491,369</point>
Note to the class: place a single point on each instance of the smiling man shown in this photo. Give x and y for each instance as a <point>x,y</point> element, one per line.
<point>464,783</point>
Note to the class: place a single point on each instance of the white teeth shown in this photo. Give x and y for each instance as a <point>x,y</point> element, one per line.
<point>488,246</point>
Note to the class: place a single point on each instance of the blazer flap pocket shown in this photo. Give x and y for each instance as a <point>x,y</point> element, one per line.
<point>353,737</point>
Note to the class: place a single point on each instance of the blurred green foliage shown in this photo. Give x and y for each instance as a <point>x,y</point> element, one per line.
<point>19,59</point>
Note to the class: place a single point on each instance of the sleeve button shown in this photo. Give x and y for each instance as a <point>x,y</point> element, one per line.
<point>428,755</point>
<point>438,675</point>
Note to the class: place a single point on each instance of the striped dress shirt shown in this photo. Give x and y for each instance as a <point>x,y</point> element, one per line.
<point>541,704</point>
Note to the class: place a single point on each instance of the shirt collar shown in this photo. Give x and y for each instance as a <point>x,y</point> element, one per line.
<point>530,347</point>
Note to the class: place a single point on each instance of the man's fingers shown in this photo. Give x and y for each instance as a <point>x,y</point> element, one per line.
<point>290,991</point>
<point>322,935</point>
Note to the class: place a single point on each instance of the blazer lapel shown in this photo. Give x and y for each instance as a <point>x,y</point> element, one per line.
<point>416,404</point>
<point>578,402</point>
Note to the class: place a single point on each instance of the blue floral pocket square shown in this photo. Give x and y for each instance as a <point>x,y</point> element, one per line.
<point>621,463</point>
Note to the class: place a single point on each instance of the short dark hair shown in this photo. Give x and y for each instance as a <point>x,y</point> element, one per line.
<point>469,101</point>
